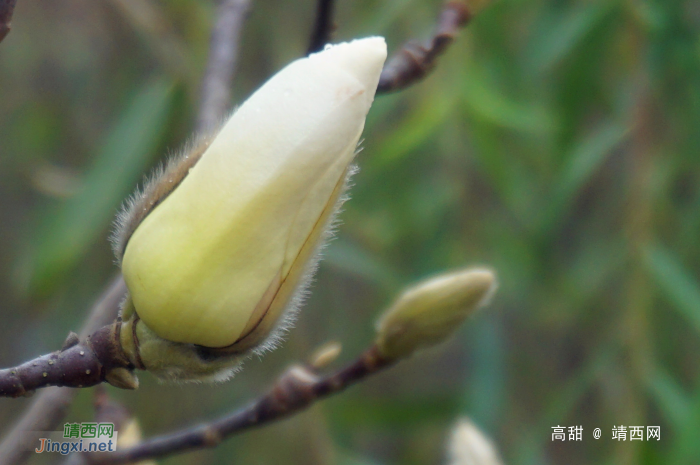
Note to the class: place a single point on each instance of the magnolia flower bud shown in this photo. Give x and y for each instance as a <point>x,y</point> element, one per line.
<point>429,312</point>
<point>218,250</point>
<point>470,446</point>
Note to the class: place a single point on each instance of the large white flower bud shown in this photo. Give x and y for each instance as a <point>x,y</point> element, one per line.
<point>218,260</point>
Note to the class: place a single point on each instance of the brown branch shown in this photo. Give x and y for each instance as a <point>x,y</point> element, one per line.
<point>295,390</point>
<point>415,60</point>
<point>223,53</point>
<point>77,364</point>
<point>7,8</point>
<point>323,27</point>
<point>51,405</point>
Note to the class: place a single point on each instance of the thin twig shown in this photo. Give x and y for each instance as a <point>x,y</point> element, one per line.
<point>51,405</point>
<point>223,53</point>
<point>296,389</point>
<point>323,27</point>
<point>7,7</point>
<point>415,60</point>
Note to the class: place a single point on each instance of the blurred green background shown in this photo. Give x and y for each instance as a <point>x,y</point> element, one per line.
<point>557,141</point>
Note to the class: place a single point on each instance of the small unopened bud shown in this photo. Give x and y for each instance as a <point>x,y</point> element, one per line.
<point>108,410</point>
<point>325,355</point>
<point>122,378</point>
<point>129,436</point>
<point>470,446</point>
<point>431,311</point>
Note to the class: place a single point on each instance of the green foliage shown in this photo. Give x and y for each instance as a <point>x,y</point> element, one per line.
<point>677,283</point>
<point>68,231</point>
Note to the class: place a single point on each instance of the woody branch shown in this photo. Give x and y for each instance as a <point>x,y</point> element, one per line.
<point>7,8</point>
<point>50,407</point>
<point>77,364</point>
<point>297,389</point>
<point>223,56</point>
<point>323,26</point>
<point>415,60</point>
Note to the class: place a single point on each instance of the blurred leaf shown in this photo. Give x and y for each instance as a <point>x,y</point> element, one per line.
<point>585,160</point>
<point>686,447</point>
<point>508,176</point>
<point>428,114</point>
<point>351,258</point>
<point>559,33</point>
<point>486,394</point>
<point>354,459</point>
<point>488,103</point>
<point>676,282</point>
<point>65,235</point>
<point>152,25</point>
<point>593,268</point>
<point>569,393</point>
<point>384,15</point>
<point>391,412</point>
<point>672,401</point>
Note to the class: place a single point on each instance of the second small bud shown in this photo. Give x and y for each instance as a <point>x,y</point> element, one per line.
<point>431,311</point>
